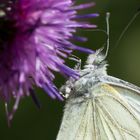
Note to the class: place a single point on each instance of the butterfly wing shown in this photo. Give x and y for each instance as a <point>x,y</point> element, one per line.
<point>77,121</point>
<point>120,116</point>
<point>109,113</point>
<point>118,82</point>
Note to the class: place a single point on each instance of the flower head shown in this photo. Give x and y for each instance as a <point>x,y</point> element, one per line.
<point>34,41</point>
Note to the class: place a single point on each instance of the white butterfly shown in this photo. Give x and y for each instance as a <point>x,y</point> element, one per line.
<point>99,106</point>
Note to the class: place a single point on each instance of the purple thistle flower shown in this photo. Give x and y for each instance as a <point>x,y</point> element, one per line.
<point>34,41</point>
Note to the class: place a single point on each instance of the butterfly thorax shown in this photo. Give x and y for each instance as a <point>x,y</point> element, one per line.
<point>90,76</point>
<point>94,69</point>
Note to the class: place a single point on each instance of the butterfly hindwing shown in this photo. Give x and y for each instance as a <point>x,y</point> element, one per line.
<point>99,106</point>
<point>107,114</point>
<point>74,125</point>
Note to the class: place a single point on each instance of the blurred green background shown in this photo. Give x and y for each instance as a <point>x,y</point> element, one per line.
<point>124,62</point>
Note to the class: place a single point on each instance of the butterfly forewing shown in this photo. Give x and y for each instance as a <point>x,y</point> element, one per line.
<point>132,97</point>
<point>118,110</point>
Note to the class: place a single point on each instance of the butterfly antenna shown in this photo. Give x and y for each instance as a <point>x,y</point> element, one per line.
<point>108,33</point>
<point>127,26</point>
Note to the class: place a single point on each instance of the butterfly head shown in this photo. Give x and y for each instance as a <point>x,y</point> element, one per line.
<point>96,61</point>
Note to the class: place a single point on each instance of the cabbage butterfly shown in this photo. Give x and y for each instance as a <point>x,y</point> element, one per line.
<point>99,106</point>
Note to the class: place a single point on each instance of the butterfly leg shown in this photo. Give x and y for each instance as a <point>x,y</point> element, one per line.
<point>76,59</point>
